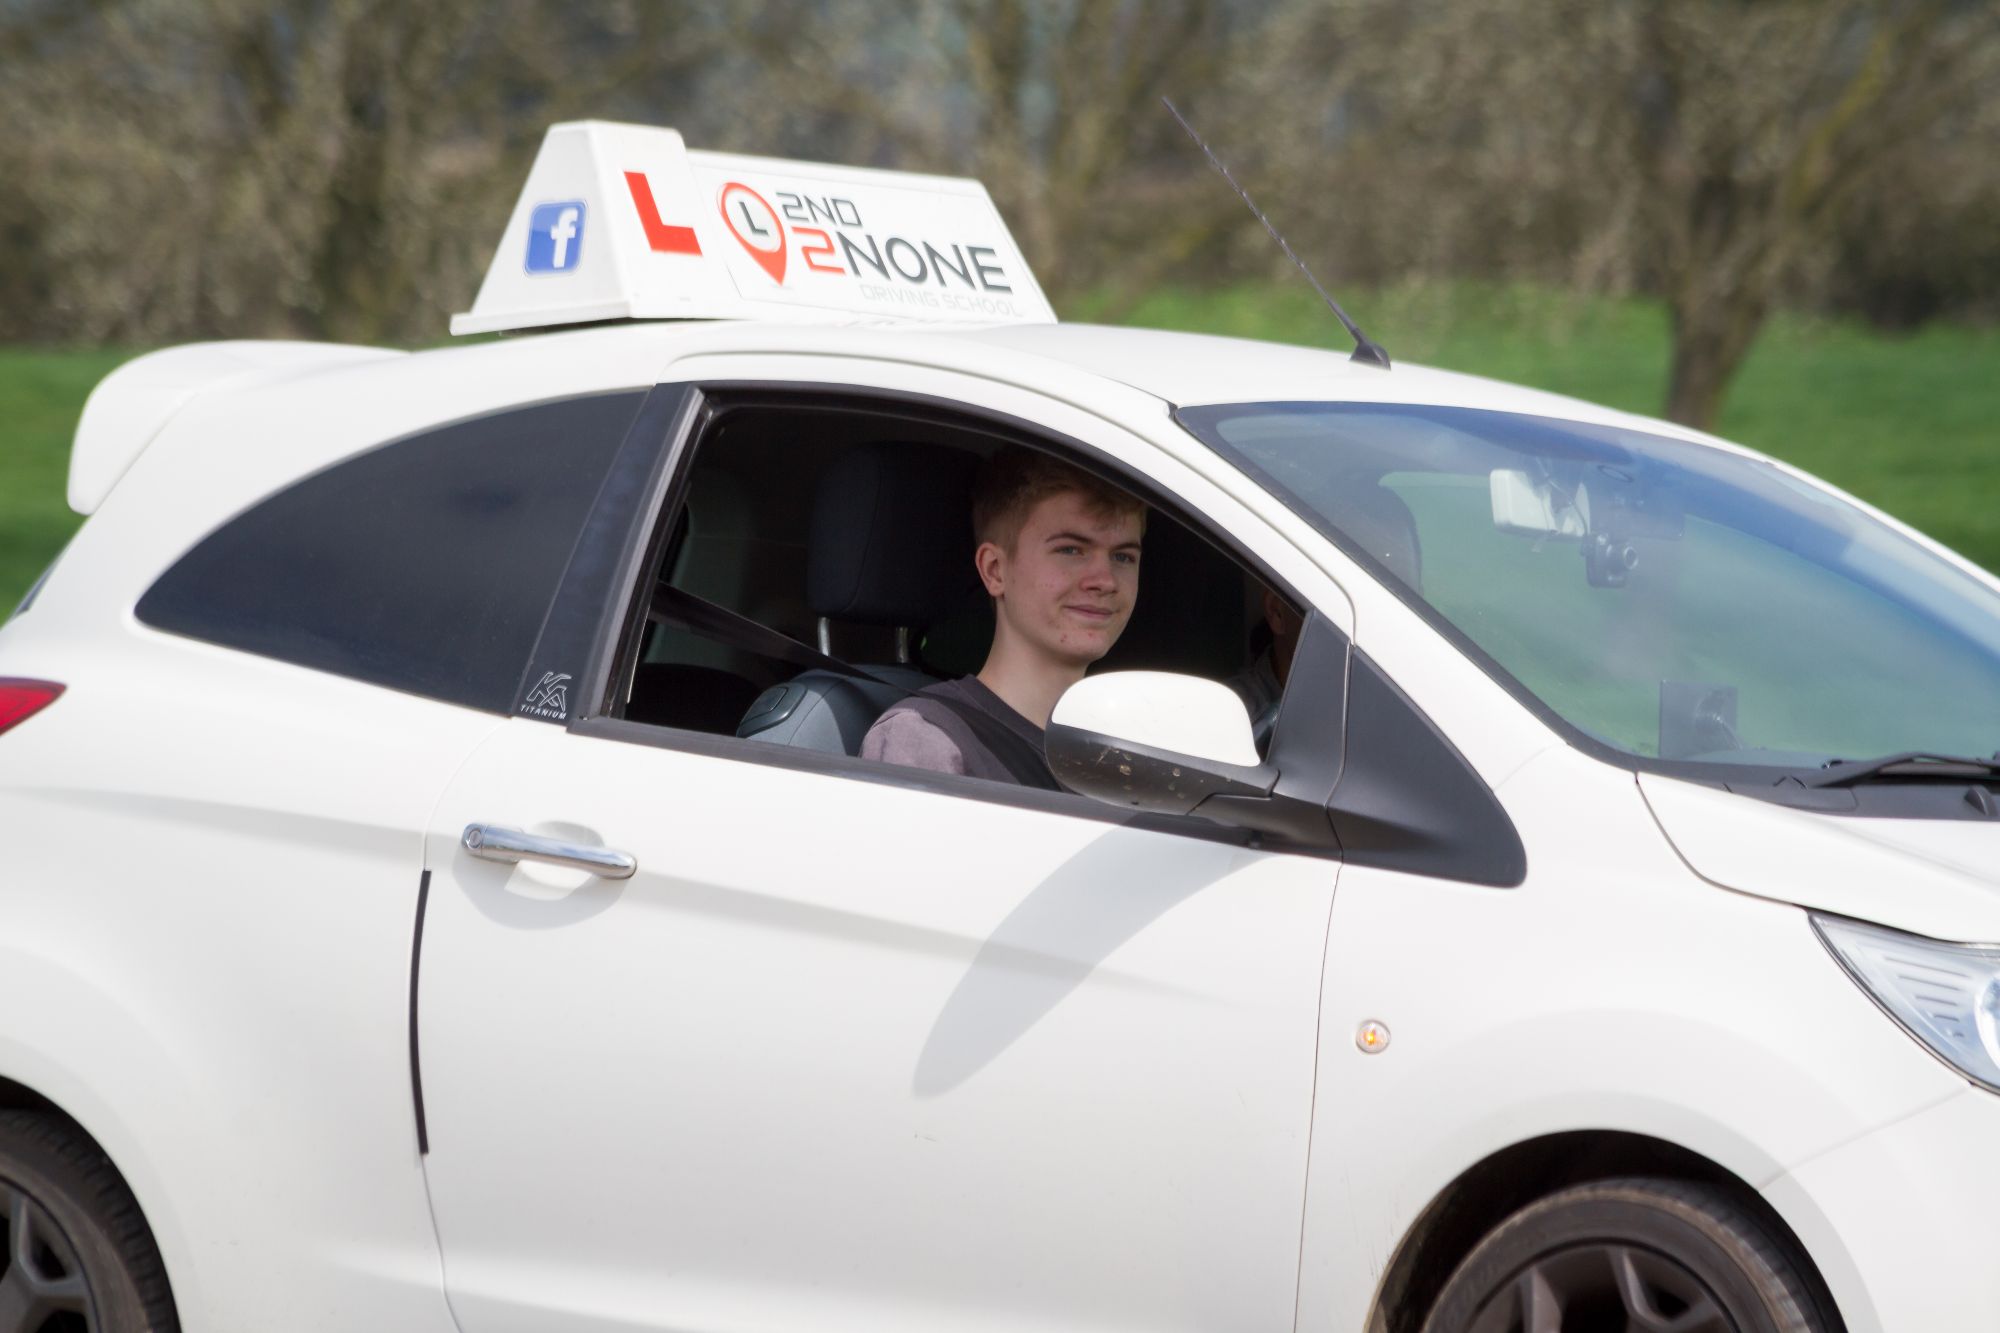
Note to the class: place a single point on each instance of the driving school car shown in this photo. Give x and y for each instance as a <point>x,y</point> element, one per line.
<point>441,890</point>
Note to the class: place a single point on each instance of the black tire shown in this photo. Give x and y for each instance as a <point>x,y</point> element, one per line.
<point>1651,1256</point>
<point>76,1255</point>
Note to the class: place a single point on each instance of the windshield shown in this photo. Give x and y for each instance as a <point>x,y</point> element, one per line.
<point>1672,601</point>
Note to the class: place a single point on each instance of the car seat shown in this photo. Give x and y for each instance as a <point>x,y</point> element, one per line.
<point>890,544</point>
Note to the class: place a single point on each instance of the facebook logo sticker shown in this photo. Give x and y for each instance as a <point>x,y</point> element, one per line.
<point>555,237</point>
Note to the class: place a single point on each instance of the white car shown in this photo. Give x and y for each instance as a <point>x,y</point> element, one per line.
<point>439,889</point>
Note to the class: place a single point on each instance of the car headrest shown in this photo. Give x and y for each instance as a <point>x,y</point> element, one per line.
<point>891,540</point>
<point>1381,522</point>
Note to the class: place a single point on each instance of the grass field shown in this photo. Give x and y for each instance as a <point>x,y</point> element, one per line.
<point>41,394</point>
<point>1911,424</point>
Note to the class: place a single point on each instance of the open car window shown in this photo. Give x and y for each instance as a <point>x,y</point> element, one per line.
<point>814,565</point>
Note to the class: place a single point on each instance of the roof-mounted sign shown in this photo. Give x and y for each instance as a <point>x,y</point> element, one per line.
<point>624,222</point>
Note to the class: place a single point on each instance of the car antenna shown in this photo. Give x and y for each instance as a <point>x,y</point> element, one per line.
<point>1366,349</point>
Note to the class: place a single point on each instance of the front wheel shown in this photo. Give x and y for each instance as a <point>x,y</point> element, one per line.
<point>76,1256</point>
<point>1644,1256</point>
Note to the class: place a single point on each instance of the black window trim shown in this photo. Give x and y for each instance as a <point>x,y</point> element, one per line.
<point>641,392</point>
<point>573,634</point>
<point>698,406</point>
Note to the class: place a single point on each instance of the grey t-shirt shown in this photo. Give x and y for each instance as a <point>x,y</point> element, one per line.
<point>920,732</point>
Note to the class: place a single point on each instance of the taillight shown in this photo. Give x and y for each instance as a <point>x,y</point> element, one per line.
<point>22,699</point>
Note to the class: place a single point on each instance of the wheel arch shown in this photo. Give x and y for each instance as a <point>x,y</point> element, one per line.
<point>73,1153</point>
<point>1492,1189</point>
<point>17,1096</point>
<point>94,1058</point>
<point>20,1097</point>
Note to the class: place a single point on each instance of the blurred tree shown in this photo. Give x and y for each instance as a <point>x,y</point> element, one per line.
<point>339,168</point>
<point>1754,127</point>
<point>1065,117</point>
<point>1715,152</point>
<point>1918,242</point>
<point>332,168</point>
<point>1054,104</point>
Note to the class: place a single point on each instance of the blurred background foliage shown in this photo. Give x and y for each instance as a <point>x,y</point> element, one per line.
<point>1661,183</point>
<point>339,169</point>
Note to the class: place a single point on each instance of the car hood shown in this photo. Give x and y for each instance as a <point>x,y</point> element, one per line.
<point>1936,877</point>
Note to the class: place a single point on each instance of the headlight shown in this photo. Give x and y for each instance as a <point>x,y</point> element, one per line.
<point>1946,995</point>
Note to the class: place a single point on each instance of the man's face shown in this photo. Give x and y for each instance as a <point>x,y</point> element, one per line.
<point>1067,588</point>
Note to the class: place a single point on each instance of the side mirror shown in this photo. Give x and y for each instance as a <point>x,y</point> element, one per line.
<point>1355,772</point>
<point>1154,741</point>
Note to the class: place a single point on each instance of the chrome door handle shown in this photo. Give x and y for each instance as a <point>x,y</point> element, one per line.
<point>489,843</point>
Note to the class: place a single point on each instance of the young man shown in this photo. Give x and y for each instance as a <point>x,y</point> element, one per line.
<point>1058,551</point>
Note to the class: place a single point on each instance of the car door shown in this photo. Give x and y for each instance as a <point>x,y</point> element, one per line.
<point>858,1047</point>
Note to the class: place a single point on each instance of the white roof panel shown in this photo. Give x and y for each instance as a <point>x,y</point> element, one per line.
<point>1192,369</point>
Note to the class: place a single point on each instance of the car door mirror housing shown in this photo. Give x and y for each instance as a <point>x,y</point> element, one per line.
<point>1155,741</point>
<point>1203,719</point>
<point>1355,770</point>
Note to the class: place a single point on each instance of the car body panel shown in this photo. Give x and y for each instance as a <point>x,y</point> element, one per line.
<point>131,404</point>
<point>1082,923</point>
<point>1946,1176</point>
<point>1191,369</point>
<point>1935,877</point>
<point>211,874</point>
<point>1612,991</point>
<point>176,934</point>
<point>852,1054</point>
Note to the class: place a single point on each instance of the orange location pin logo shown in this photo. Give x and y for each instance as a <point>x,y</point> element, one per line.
<point>754,223</point>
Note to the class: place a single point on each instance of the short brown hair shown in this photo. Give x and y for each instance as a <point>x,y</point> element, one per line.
<point>1016,479</point>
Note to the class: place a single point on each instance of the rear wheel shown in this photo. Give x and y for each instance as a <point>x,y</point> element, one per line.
<point>1627,1256</point>
<point>76,1256</point>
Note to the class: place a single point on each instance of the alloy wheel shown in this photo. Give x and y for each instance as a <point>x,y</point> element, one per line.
<point>1603,1288</point>
<point>42,1285</point>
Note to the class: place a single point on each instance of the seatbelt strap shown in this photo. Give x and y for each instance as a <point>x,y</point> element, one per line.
<point>1023,762</point>
<point>675,606</point>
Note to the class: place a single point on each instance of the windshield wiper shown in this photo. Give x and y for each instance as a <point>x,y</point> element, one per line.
<point>1912,764</point>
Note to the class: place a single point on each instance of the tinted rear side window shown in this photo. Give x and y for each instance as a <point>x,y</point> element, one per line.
<point>426,565</point>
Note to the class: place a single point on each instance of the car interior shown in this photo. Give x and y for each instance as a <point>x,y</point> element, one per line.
<point>816,568</point>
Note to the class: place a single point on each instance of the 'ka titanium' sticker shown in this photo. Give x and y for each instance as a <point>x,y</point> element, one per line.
<point>549,698</point>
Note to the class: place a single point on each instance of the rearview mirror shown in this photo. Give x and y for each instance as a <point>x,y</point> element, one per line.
<point>1154,741</point>
<point>1536,507</point>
